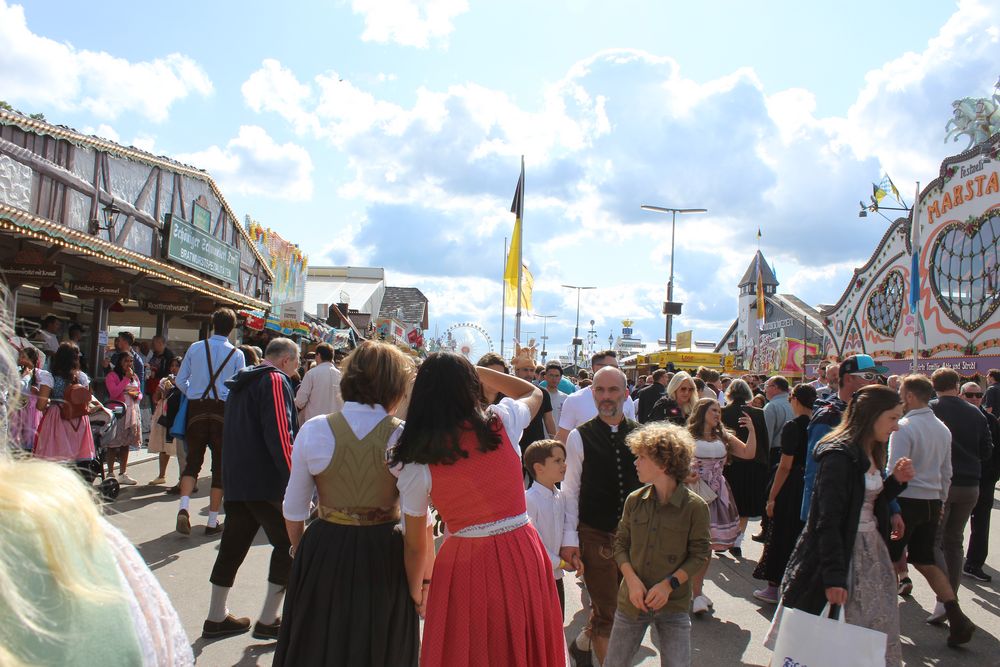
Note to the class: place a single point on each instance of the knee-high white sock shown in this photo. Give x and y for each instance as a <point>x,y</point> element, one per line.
<point>217,607</point>
<point>272,603</point>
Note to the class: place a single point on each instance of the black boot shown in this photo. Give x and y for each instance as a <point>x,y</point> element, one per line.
<point>959,625</point>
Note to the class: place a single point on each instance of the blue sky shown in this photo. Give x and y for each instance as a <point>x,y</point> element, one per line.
<point>389,132</point>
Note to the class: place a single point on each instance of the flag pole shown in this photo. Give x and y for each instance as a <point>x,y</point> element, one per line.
<point>503,297</point>
<point>520,266</point>
<point>915,241</point>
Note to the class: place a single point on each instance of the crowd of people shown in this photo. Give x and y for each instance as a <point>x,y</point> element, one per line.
<point>462,494</point>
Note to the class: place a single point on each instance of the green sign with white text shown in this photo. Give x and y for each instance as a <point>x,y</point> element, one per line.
<point>190,246</point>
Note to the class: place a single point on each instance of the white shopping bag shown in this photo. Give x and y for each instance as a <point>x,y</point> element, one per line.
<point>805,640</point>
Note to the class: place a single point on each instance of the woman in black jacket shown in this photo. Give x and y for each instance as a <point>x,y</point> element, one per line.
<point>841,557</point>
<point>677,402</point>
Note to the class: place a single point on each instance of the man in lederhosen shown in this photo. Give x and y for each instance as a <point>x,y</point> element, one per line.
<point>600,474</point>
<point>204,371</point>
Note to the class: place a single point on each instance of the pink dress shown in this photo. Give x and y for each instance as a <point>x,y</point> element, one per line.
<point>24,421</point>
<point>492,600</point>
<point>63,439</point>
<point>127,432</point>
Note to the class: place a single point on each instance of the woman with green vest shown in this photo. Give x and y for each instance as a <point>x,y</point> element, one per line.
<point>349,598</point>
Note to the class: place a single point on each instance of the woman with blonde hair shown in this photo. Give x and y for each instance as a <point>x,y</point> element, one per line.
<point>73,590</point>
<point>677,402</point>
<point>713,445</point>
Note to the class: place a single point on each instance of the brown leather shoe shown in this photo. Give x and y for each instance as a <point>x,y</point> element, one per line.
<point>214,531</point>
<point>265,631</point>
<point>183,522</point>
<point>230,625</point>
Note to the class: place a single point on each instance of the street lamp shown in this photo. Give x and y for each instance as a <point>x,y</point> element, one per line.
<point>545,320</point>
<point>576,331</point>
<point>670,308</point>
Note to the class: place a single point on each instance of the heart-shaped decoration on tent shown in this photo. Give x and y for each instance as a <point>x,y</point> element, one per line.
<point>885,305</point>
<point>964,270</point>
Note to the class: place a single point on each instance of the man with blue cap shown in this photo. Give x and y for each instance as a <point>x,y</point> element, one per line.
<point>855,372</point>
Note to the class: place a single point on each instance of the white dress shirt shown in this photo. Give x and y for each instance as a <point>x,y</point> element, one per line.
<point>571,487</point>
<point>547,511</point>
<point>313,451</point>
<point>319,393</point>
<point>580,407</point>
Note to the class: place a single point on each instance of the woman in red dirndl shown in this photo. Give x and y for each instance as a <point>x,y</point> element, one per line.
<point>492,600</point>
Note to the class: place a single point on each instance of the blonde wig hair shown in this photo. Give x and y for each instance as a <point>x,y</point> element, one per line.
<point>49,520</point>
<point>675,383</point>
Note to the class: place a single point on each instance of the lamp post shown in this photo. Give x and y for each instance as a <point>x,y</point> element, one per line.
<point>669,307</point>
<point>576,331</point>
<point>545,320</point>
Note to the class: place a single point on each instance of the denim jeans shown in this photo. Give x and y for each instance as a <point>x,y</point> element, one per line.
<point>671,636</point>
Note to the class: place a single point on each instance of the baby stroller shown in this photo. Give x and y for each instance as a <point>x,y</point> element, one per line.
<point>102,428</point>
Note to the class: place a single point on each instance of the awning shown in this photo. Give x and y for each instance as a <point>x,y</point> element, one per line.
<point>21,222</point>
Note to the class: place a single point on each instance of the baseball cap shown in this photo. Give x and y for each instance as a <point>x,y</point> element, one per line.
<point>860,363</point>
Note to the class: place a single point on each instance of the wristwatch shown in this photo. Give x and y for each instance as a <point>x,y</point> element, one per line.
<point>675,583</point>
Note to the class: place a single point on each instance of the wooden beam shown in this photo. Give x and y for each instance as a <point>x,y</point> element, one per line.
<point>43,167</point>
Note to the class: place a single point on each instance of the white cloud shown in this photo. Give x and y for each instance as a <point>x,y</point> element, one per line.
<point>145,142</point>
<point>624,127</point>
<point>902,109</point>
<point>36,71</point>
<point>408,22</point>
<point>253,163</point>
<point>103,131</point>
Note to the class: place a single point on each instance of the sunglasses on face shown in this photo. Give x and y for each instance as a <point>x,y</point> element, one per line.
<point>973,394</point>
<point>865,375</point>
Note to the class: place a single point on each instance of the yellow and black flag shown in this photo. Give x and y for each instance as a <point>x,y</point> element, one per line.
<point>516,276</point>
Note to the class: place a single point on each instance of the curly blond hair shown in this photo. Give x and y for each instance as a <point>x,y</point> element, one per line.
<point>667,445</point>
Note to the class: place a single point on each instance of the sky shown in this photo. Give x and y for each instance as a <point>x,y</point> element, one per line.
<point>390,133</point>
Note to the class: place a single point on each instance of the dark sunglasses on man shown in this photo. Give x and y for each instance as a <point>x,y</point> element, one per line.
<point>973,394</point>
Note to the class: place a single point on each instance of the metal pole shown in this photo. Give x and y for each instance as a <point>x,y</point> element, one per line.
<point>520,265</point>
<point>503,297</point>
<point>545,321</point>
<point>670,283</point>
<point>916,238</point>
<point>545,337</point>
<point>576,331</point>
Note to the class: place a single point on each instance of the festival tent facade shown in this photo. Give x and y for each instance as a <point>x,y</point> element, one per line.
<point>956,323</point>
<point>114,237</point>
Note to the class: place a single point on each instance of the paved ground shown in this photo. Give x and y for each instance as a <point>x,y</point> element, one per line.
<point>732,636</point>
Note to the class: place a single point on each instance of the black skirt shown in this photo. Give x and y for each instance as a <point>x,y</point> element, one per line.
<point>348,602</point>
<point>784,529</point>
<point>748,480</point>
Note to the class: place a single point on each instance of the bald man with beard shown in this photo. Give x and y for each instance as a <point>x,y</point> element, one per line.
<point>600,474</point>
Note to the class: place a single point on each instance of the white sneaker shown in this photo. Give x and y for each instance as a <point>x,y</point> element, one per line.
<point>700,605</point>
<point>938,615</point>
<point>125,480</point>
<point>708,600</point>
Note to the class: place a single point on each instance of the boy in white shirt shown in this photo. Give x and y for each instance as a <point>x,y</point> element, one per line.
<point>545,461</point>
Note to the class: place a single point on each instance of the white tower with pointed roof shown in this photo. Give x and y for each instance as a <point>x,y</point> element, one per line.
<point>747,331</point>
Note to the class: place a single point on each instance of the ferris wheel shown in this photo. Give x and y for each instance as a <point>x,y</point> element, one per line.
<point>468,339</point>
